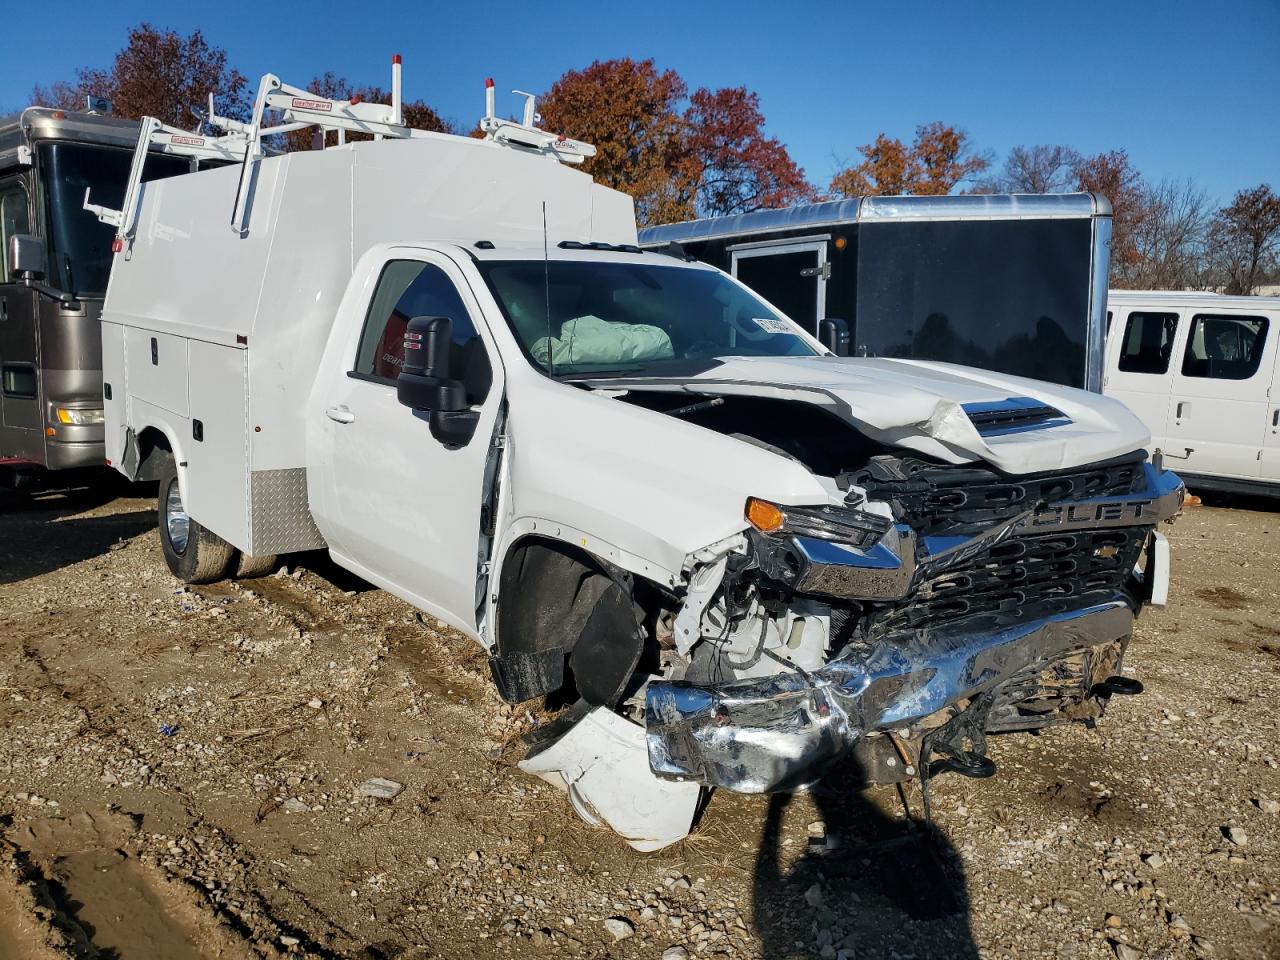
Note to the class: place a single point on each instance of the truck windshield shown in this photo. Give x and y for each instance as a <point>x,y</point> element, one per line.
<point>81,246</point>
<point>610,317</point>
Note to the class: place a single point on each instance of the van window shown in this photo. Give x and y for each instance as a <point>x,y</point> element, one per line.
<point>13,219</point>
<point>408,289</point>
<point>1224,347</point>
<point>1148,342</point>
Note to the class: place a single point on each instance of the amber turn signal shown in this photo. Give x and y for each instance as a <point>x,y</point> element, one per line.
<point>764,516</point>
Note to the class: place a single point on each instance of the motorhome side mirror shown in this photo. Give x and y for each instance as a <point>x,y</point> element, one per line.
<point>26,257</point>
<point>424,384</point>
<point>834,335</point>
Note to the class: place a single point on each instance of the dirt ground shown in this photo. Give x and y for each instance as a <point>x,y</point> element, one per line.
<point>179,767</point>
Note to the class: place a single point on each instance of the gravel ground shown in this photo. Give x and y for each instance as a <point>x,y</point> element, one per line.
<point>181,771</point>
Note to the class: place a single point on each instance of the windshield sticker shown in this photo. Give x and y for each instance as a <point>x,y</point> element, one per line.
<point>772,325</point>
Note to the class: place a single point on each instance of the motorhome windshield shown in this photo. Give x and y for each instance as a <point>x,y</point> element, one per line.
<point>581,316</point>
<point>81,245</point>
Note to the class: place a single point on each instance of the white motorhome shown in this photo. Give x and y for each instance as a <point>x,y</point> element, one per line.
<point>1200,370</point>
<point>632,480</point>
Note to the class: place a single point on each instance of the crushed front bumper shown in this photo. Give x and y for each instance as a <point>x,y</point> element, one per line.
<point>785,731</point>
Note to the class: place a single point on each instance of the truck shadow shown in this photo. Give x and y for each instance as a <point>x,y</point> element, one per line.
<point>39,535</point>
<point>877,887</point>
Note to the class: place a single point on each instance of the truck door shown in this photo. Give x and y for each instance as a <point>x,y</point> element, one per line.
<point>395,504</point>
<point>1141,344</point>
<point>791,276</point>
<point>1218,406</point>
<point>21,425</point>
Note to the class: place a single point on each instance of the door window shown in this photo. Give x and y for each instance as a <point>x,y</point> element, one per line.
<point>1148,342</point>
<point>409,289</point>
<point>18,380</point>
<point>13,219</point>
<point>1224,347</point>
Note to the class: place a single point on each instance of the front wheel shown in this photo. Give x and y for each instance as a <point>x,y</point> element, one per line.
<point>194,554</point>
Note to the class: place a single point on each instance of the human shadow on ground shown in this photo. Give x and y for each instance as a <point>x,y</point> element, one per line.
<point>878,886</point>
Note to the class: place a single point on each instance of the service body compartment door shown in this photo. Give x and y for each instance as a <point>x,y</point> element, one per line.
<point>216,450</point>
<point>115,392</point>
<point>1218,406</point>
<point>791,276</point>
<point>394,504</point>
<point>158,369</point>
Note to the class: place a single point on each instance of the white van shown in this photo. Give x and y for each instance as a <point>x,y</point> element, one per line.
<point>1200,370</point>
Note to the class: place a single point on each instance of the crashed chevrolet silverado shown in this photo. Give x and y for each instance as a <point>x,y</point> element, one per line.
<point>735,557</point>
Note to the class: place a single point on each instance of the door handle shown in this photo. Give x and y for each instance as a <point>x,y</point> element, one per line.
<point>340,414</point>
<point>1275,417</point>
<point>1184,409</point>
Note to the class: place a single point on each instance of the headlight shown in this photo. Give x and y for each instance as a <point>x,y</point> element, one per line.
<point>838,523</point>
<point>80,417</point>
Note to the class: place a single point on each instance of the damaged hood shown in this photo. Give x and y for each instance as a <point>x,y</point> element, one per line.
<point>956,414</point>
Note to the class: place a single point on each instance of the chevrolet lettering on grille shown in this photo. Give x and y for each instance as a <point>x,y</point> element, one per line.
<point>1109,513</point>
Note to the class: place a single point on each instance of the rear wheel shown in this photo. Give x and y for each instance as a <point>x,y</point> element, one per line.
<point>194,554</point>
<point>249,567</point>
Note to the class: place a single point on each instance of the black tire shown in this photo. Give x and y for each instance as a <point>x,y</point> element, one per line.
<point>202,557</point>
<point>248,567</point>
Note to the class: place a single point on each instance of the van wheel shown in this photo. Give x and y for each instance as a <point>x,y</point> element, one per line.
<point>194,554</point>
<point>249,567</point>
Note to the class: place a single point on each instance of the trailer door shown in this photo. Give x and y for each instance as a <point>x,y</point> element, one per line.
<point>791,275</point>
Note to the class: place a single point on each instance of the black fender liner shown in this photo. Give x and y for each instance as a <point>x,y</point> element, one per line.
<point>557,604</point>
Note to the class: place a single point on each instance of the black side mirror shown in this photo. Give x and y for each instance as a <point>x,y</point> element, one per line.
<point>26,257</point>
<point>834,334</point>
<point>424,384</point>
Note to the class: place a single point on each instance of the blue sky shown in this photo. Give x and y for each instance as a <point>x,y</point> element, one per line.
<point>1189,89</point>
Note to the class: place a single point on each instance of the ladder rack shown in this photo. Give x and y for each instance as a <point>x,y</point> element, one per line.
<point>299,109</point>
<point>157,137</point>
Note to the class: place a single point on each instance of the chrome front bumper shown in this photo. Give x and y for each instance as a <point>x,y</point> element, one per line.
<point>784,732</point>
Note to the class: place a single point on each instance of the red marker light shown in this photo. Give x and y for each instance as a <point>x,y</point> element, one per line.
<point>395,58</point>
<point>357,98</point>
<point>488,82</point>
<point>117,244</point>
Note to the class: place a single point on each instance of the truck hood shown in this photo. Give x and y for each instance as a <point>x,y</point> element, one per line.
<point>956,414</point>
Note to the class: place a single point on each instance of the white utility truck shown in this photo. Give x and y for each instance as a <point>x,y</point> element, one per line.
<point>639,486</point>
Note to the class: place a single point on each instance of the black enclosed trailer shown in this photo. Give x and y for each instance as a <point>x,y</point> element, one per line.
<point>1014,283</point>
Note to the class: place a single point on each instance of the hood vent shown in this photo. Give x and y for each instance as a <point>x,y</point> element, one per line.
<point>1013,415</point>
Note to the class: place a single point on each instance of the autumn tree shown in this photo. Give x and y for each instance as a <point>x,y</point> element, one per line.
<point>160,74</point>
<point>939,159</point>
<point>729,163</point>
<point>417,113</point>
<point>1043,168</point>
<point>1112,175</point>
<point>680,157</point>
<point>1169,238</point>
<point>630,111</point>
<point>1245,239</point>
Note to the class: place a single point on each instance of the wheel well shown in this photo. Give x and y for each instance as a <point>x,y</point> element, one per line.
<point>154,451</point>
<point>567,620</point>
